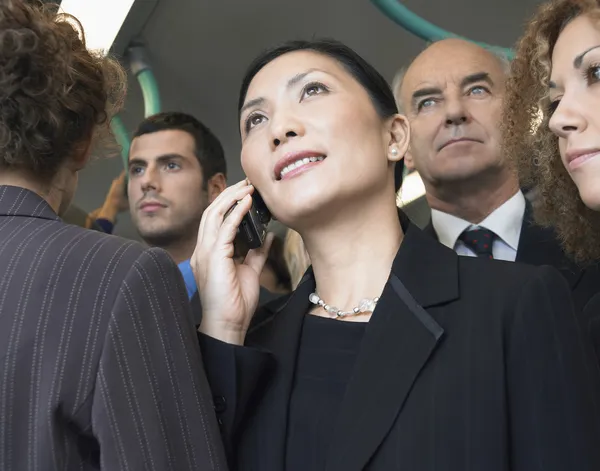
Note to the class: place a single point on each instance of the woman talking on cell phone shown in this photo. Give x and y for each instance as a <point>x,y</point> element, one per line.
<point>393,352</point>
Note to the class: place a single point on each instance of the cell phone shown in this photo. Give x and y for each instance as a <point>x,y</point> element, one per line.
<point>253,228</point>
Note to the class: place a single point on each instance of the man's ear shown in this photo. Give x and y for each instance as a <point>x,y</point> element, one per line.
<point>399,132</point>
<point>215,186</point>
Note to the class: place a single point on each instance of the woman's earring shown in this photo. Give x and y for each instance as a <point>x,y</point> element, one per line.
<point>394,152</point>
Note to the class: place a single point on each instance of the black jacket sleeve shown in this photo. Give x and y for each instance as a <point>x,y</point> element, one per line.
<point>591,317</point>
<point>236,375</point>
<point>553,383</point>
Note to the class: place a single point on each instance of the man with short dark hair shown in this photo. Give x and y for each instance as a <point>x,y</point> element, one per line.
<point>176,169</point>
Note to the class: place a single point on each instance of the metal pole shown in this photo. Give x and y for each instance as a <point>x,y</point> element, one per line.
<point>122,137</point>
<point>149,87</point>
<point>140,67</point>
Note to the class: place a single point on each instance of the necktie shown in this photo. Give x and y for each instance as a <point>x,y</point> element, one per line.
<point>479,241</point>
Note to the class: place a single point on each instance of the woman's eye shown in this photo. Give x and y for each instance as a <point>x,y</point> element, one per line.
<point>256,120</point>
<point>313,89</point>
<point>253,120</point>
<point>593,74</point>
<point>551,108</point>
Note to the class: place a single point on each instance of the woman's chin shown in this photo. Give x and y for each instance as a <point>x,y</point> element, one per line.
<point>590,195</point>
<point>293,201</point>
<point>297,216</point>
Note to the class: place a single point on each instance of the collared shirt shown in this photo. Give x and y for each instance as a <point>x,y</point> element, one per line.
<point>505,222</point>
<point>188,276</point>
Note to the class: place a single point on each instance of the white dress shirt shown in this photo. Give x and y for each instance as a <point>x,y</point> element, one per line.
<point>505,222</point>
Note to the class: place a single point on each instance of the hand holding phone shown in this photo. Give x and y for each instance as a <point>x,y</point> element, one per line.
<point>253,229</point>
<point>228,289</point>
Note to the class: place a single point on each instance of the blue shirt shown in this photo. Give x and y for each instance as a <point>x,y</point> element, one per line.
<point>188,276</point>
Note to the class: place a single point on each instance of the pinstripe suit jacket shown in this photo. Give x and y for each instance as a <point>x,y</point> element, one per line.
<point>99,363</point>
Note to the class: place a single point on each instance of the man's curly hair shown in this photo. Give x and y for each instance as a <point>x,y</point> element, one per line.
<point>529,141</point>
<point>56,97</point>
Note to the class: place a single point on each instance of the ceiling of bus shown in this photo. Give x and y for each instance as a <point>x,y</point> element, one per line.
<point>200,48</point>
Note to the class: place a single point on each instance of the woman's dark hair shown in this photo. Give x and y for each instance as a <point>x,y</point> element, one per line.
<point>56,97</point>
<point>276,261</point>
<point>364,73</point>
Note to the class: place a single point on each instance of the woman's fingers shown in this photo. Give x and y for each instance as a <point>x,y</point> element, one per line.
<point>213,216</point>
<point>256,258</point>
<point>229,227</point>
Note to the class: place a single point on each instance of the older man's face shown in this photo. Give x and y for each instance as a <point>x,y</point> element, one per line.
<point>452,94</point>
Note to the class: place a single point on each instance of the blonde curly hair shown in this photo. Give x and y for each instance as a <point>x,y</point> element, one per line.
<point>295,256</point>
<point>529,141</point>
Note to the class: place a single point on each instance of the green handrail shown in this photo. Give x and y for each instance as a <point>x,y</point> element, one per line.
<point>425,30</point>
<point>149,86</point>
<point>152,106</point>
<point>122,136</point>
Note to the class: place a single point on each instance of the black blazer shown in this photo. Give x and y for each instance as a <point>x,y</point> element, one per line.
<point>539,246</point>
<point>99,363</point>
<point>466,364</point>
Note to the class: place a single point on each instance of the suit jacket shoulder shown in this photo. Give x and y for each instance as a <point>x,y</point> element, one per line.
<point>540,246</point>
<point>98,349</point>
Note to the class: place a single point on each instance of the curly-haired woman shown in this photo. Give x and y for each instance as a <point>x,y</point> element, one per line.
<point>99,366</point>
<point>552,126</point>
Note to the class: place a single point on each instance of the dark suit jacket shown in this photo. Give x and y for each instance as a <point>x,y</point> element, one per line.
<point>466,364</point>
<point>99,363</point>
<point>539,246</point>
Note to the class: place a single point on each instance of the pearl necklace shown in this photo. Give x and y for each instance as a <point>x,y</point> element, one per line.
<point>365,305</point>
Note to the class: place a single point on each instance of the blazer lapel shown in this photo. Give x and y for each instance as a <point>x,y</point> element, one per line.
<point>282,339</point>
<point>399,341</point>
<point>430,231</point>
